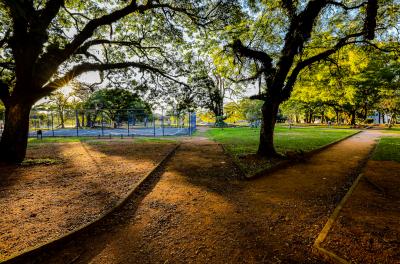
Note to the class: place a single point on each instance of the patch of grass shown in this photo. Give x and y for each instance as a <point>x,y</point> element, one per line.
<point>57,140</point>
<point>153,140</point>
<point>388,149</point>
<point>394,130</point>
<point>43,161</point>
<point>244,141</point>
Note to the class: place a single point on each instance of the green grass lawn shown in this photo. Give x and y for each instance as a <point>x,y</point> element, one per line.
<point>245,140</point>
<point>56,140</point>
<point>395,130</point>
<point>242,141</point>
<point>388,149</point>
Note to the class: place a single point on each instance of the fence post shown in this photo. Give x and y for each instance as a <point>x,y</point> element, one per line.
<point>52,123</point>
<point>102,124</point>
<point>77,122</point>
<point>190,133</point>
<point>162,120</point>
<point>127,112</point>
<point>154,126</point>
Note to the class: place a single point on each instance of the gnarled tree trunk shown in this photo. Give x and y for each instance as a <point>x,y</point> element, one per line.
<point>14,139</point>
<point>269,112</point>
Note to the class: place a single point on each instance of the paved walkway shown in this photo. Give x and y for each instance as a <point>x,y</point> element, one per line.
<point>198,213</point>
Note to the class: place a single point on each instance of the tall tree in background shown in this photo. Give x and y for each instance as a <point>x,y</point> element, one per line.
<point>213,89</point>
<point>115,103</point>
<point>46,44</point>
<point>292,35</point>
<point>60,101</point>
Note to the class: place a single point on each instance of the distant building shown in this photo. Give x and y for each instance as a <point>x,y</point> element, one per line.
<point>379,118</point>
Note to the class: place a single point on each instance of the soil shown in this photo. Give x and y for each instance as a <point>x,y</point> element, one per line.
<point>82,180</point>
<point>196,211</point>
<point>368,227</point>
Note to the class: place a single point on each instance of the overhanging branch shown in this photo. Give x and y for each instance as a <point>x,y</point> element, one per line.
<point>323,55</point>
<point>86,67</point>
<point>345,7</point>
<point>260,56</point>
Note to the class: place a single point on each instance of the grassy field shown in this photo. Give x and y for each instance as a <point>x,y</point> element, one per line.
<point>245,140</point>
<point>395,130</point>
<point>56,140</point>
<point>388,149</point>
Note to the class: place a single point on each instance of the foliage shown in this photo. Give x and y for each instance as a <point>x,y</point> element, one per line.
<point>44,45</point>
<point>115,103</point>
<point>347,86</point>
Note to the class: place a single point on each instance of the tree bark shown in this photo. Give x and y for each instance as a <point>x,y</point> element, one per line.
<point>14,141</point>
<point>269,112</point>
<point>353,118</point>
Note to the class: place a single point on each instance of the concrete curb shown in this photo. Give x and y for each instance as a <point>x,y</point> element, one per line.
<point>284,163</point>
<point>318,249</point>
<point>27,255</point>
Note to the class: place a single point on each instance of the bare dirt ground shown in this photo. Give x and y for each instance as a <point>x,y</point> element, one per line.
<point>368,227</point>
<point>197,212</point>
<point>42,202</point>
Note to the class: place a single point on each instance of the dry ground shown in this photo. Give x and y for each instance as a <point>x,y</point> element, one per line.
<point>42,202</point>
<point>196,212</point>
<point>368,227</point>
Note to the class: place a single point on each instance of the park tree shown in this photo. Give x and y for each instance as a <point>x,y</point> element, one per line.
<point>46,44</point>
<point>288,36</point>
<point>60,102</point>
<point>212,89</point>
<point>352,86</point>
<point>117,103</point>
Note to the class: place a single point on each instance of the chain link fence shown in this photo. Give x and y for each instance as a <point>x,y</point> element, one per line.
<point>107,123</point>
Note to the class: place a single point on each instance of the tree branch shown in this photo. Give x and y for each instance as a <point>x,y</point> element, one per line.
<point>323,55</point>
<point>86,67</point>
<point>260,56</point>
<point>345,7</point>
<point>48,13</point>
<point>90,43</point>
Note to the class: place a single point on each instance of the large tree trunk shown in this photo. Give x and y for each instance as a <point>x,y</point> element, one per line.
<point>269,112</point>
<point>14,139</point>
<point>353,118</point>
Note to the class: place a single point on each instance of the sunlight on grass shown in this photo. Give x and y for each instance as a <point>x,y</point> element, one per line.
<point>57,140</point>
<point>394,130</point>
<point>242,141</point>
<point>245,140</point>
<point>388,149</point>
<point>42,161</point>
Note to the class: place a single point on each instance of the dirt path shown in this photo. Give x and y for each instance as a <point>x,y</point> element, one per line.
<point>368,227</point>
<point>44,202</point>
<point>196,212</point>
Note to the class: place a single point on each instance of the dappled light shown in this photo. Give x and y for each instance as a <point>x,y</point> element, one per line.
<point>199,131</point>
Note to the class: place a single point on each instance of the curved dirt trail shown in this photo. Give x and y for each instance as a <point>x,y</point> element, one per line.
<point>198,213</point>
